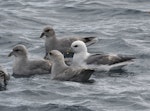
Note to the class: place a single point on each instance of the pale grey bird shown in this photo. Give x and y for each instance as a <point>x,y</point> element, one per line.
<point>62,44</point>
<point>99,62</point>
<point>60,71</point>
<point>4,77</point>
<point>23,67</point>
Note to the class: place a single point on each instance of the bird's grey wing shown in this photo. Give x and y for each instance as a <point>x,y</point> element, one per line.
<point>66,42</point>
<point>101,59</point>
<point>40,64</point>
<point>82,75</point>
<point>77,75</point>
<point>89,40</point>
<point>64,75</point>
<point>97,59</point>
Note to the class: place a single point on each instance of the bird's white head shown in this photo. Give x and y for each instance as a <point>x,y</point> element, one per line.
<point>78,46</point>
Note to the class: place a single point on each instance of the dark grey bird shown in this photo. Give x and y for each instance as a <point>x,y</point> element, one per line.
<point>4,77</point>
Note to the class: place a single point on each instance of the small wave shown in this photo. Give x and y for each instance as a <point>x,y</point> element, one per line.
<point>113,12</point>
<point>99,9</point>
<point>11,4</point>
<point>47,107</point>
<point>124,11</point>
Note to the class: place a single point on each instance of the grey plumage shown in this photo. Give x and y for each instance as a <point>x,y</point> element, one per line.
<point>23,67</point>
<point>101,59</point>
<point>69,74</point>
<point>63,44</point>
<point>83,76</point>
<point>60,71</point>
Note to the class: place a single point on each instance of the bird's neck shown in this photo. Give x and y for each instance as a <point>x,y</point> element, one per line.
<point>51,37</point>
<point>50,42</point>
<point>83,55</point>
<point>22,59</point>
<point>58,67</point>
<point>79,58</point>
<point>61,64</point>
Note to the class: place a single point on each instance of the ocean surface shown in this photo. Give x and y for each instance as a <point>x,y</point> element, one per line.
<point>122,27</point>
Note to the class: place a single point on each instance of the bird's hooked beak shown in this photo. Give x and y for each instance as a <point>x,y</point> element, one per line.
<point>42,35</point>
<point>10,54</point>
<point>46,57</point>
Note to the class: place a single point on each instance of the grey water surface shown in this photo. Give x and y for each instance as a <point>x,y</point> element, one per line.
<point>122,26</point>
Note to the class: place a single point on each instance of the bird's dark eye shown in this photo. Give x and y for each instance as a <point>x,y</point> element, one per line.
<point>50,53</point>
<point>16,50</point>
<point>76,46</point>
<point>47,30</point>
